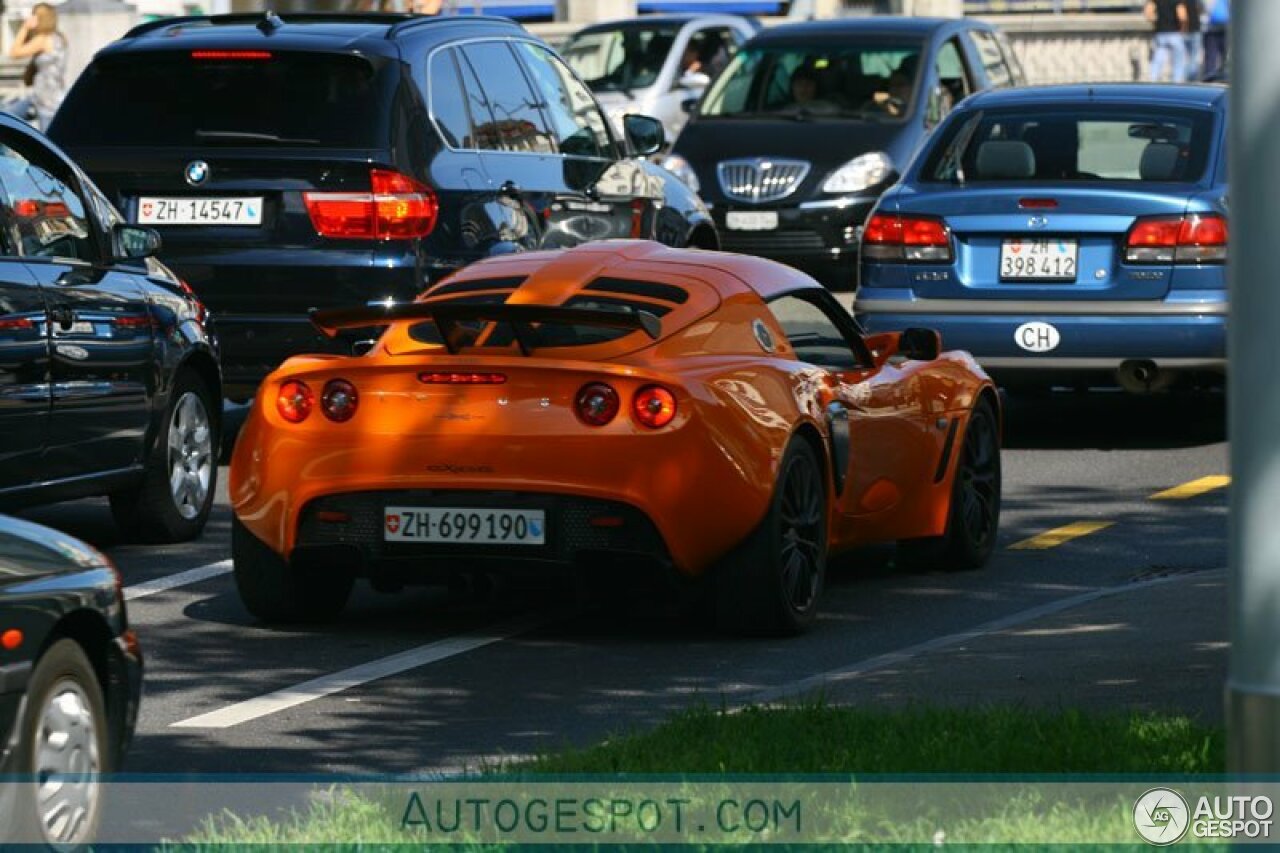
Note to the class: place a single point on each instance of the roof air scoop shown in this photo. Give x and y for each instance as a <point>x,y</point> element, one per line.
<point>270,23</point>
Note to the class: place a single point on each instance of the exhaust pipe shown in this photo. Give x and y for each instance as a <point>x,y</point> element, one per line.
<point>1142,377</point>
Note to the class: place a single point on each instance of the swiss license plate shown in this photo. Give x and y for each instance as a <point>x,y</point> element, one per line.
<point>200,211</point>
<point>751,220</point>
<point>1038,260</point>
<point>465,525</point>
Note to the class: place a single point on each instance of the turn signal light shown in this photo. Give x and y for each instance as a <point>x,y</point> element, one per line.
<point>918,239</point>
<point>596,404</point>
<point>654,406</point>
<point>295,401</point>
<point>339,400</point>
<point>1194,238</point>
<point>396,208</point>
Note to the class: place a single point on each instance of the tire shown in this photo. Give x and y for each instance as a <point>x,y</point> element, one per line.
<point>276,592</point>
<point>771,584</point>
<point>185,451</point>
<point>64,732</point>
<point>973,518</point>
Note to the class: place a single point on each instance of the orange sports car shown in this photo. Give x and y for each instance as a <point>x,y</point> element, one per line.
<point>708,417</point>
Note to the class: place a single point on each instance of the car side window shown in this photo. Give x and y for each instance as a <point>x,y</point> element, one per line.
<point>515,121</point>
<point>576,122</point>
<point>44,217</point>
<point>449,100</point>
<point>709,51</point>
<point>992,58</point>
<point>954,84</point>
<point>813,334</point>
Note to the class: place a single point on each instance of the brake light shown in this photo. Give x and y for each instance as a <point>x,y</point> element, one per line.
<point>294,401</point>
<point>1038,203</point>
<point>396,208</point>
<point>596,404</point>
<point>14,324</point>
<point>339,400</point>
<point>915,239</point>
<point>441,378</point>
<point>231,54</point>
<point>654,406</point>
<point>1195,238</point>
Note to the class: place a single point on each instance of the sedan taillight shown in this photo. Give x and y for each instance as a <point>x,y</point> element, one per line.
<point>914,239</point>
<point>397,208</point>
<point>339,400</point>
<point>1191,239</point>
<point>295,401</point>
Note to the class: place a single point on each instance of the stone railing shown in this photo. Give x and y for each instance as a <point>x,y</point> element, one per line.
<point>1088,48</point>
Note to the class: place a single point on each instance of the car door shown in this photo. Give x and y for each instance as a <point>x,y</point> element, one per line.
<point>25,395</point>
<point>100,329</point>
<point>951,80</point>
<point>879,442</point>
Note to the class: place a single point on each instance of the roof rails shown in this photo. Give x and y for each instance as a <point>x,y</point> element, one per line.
<point>415,21</point>
<point>393,20</point>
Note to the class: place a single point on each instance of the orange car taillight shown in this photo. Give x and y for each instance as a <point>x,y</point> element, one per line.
<point>596,404</point>
<point>339,400</point>
<point>1194,238</point>
<point>916,239</point>
<point>468,378</point>
<point>295,401</point>
<point>654,406</point>
<point>396,208</point>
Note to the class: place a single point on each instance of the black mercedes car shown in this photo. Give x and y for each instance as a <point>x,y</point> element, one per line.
<point>315,161</point>
<point>70,683</point>
<point>809,123</point>
<point>109,378</point>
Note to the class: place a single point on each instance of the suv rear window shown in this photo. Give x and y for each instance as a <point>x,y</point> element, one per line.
<point>1090,143</point>
<point>228,98</point>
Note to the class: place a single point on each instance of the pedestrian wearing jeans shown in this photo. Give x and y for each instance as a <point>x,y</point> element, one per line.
<point>1195,41</point>
<point>1168,47</point>
<point>1215,38</point>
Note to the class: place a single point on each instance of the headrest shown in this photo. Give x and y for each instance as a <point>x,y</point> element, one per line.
<point>1160,161</point>
<point>1005,159</point>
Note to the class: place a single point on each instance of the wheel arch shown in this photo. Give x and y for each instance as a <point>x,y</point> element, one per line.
<point>89,630</point>
<point>703,236</point>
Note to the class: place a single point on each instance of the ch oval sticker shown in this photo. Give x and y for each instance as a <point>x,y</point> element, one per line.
<point>1037,337</point>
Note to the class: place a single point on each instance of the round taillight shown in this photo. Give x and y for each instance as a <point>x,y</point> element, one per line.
<point>654,406</point>
<point>596,404</point>
<point>295,401</point>
<point>339,400</point>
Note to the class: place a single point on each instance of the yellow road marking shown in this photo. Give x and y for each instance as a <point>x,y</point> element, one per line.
<point>1059,535</point>
<point>1194,488</point>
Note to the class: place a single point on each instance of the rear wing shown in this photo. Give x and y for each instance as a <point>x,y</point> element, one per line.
<point>449,318</point>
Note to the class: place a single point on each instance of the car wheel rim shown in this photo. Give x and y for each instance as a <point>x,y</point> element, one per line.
<point>980,482</point>
<point>190,455</point>
<point>67,764</point>
<point>802,546</point>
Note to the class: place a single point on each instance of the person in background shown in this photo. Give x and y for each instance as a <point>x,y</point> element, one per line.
<point>426,7</point>
<point>45,47</point>
<point>1215,38</point>
<point>1194,39</point>
<point>1168,47</point>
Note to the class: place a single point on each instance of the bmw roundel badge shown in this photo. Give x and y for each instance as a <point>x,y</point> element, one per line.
<point>196,173</point>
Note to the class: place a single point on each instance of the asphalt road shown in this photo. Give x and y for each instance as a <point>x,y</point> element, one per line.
<point>464,681</point>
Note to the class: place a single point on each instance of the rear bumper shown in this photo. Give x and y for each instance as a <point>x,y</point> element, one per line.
<point>818,237</point>
<point>1174,337</point>
<point>578,529</point>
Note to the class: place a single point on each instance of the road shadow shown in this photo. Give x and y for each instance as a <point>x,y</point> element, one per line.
<point>1106,420</point>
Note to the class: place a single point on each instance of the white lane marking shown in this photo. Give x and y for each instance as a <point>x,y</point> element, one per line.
<point>151,587</point>
<point>336,682</point>
<point>895,658</point>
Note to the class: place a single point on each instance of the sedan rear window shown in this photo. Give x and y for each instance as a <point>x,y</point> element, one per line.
<point>226,97</point>
<point>1094,144</point>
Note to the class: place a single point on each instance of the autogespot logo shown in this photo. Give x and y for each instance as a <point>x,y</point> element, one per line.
<point>1160,816</point>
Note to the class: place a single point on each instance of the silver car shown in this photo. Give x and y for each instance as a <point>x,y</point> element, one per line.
<point>655,65</point>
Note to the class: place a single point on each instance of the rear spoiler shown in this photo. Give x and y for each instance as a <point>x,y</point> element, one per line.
<point>449,317</point>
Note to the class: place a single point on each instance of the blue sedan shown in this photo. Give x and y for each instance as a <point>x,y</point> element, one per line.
<point>1067,235</point>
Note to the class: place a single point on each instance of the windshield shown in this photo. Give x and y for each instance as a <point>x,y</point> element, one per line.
<point>1079,143</point>
<point>621,59</point>
<point>851,80</point>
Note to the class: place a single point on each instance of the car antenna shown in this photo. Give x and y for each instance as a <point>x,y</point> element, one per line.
<point>270,22</point>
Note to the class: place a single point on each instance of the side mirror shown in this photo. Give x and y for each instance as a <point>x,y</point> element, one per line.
<point>694,80</point>
<point>645,134</point>
<point>131,242</point>
<point>364,347</point>
<point>919,344</point>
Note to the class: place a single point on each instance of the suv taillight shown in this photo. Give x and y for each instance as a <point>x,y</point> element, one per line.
<point>915,239</point>
<point>397,208</point>
<point>1191,239</point>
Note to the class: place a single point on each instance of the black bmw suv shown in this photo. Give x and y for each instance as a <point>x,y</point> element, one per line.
<point>324,160</point>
